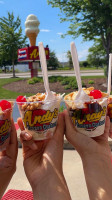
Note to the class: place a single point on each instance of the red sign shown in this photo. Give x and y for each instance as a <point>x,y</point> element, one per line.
<point>31,54</point>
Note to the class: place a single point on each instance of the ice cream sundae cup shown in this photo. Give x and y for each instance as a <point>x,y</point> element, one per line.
<point>5,123</point>
<point>39,116</point>
<point>88,117</point>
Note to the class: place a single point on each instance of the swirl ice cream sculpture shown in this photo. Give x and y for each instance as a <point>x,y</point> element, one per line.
<point>31,29</point>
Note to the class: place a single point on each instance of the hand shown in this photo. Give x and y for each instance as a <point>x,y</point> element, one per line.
<point>96,158</point>
<point>43,164</point>
<point>85,145</point>
<point>8,161</point>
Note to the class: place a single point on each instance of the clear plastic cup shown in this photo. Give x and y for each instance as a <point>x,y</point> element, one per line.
<point>40,117</point>
<point>89,120</point>
<point>5,128</point>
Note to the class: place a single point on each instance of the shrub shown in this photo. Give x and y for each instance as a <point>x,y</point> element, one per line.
<point>34,80</point>
<point>90,82</point>
<point>67,87</point>
<point>52,79</point>
<point>37,79</point>
<point>73,84</point>
<point>64,82</point>
<point>30,81</point>
<point>59,78</point>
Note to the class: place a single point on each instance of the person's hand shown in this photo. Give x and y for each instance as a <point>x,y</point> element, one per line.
<point>8,161</point>
<point>85,145</point>
<point>96,158</point>
<point>43,164</point>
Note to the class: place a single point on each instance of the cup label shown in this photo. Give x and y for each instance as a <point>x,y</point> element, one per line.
<point>4,130</point>
<point>89,118</point>
<point>40,120</point>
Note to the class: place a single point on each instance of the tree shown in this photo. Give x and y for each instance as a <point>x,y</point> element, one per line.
<point>69,59</point>
<point>89,18</point>
<point>11,39</point>
<point>84,63</point>
<point>53,62</point>
<point>97,54</point>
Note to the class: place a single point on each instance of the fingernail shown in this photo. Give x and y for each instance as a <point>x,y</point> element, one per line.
<point>34,146</point>
<point>27,136</point>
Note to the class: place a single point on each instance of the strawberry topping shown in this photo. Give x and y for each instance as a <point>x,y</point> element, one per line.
<point>4,104</point>
<point>21,99</point>
<point>96,94</point>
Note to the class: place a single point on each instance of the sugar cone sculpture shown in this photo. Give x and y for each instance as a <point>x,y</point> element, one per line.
<point>31,29</point>
<point>32,37</point>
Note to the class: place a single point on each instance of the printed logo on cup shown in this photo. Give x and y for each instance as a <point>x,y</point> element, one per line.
<point>4,130</point>
<point>89,118</point>
<point>40,120</point>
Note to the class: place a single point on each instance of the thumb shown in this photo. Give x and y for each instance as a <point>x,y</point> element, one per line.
<point>71,134</point>
<point>69,125</point>
<point>59,132</point>
<point>20,123</point>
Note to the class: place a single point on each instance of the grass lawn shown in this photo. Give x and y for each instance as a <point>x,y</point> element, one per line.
<point>6,94</point>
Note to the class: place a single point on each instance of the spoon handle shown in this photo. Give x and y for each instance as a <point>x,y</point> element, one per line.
<point>76,65</point>
<point>109,74</point>
<point>44,66</point>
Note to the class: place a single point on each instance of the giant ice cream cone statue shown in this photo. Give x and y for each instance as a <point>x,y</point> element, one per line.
<point>31,29</point>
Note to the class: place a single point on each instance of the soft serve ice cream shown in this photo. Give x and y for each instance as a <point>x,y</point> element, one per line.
<point>39,115</point>
<point>31,29</point>
<point>88,119</point>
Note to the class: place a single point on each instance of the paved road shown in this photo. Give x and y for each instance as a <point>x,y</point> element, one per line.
<point>55,73</point>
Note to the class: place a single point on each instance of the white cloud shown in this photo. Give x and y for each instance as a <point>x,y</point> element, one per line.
<point>60,33</point>
<point>52,41</point>
<point>82,54</point>
<point>45,30</point>
<point>1,2</point>
<point>62,57</point>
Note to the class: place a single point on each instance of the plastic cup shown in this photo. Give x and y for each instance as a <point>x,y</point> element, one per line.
<point>40,117</point>
<point>90,120</point>
<point>5,128</point>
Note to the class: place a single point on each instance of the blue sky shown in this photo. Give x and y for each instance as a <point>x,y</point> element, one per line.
<point>50,26</point>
